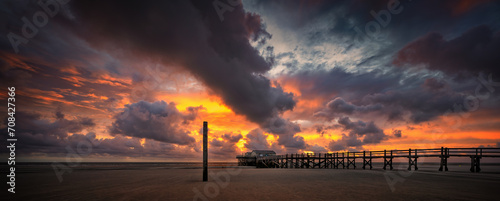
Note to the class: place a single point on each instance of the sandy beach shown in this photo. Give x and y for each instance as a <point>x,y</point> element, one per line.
<point>156,183</point>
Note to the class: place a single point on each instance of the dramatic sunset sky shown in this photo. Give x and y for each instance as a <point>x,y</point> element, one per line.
<point>136,79</point>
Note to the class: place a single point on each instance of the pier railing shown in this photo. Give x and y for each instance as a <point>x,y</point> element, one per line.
<point>348,159</point>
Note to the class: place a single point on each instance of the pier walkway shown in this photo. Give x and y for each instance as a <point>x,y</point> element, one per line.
<point>347,160</point>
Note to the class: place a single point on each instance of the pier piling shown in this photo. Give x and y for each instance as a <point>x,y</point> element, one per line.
<point>336,159</point>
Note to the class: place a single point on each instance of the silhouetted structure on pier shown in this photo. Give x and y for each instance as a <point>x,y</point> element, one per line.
<point>250,158</point>
<point>348,159</point>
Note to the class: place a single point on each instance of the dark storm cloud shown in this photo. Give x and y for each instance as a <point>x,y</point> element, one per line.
<point>367,29</point>
<point>192,113</point>
<point>472,52</point>
<point>296,14</point>
<point>232,138</point>
<point>324,83</point>
<point>396,133</point>
<point>88,145</point>
<point>322,129</point>
<point>286,130</point>
<point>422,106</point>
<point>292,142</point>
<point>398,93</point>
<point>225,148</point>
<point>342,18</point>
<point>42,134</point>
<point>159,121</point>
<point>434,84</point>
<point>190,34</point>
<point>395,94</point>
<point>33,123</point>
<point>369,132</point>
<point>50,47</point>
<point>256,139</point>
<point>345,143</point>
<point>59,115</point>
<point>62,137</point>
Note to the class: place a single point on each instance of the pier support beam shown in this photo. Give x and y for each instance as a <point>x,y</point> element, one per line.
<point>297,161</point>
<point>387,160</point>
<point>340,161</point>
<point>286,161</point>
<point>302,161</point>
<point>475,165</point>
<point>412,162</point>
<point>444,159</point>
<point>282,165</point>
<point>329,159</point>
<point>313,160</point>
<point>308,160</point>
<point>351,162</point>
<point>367,162</point>
<point>335,158</point>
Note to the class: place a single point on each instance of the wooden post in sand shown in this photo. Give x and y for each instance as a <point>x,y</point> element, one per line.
<point>205,151</point>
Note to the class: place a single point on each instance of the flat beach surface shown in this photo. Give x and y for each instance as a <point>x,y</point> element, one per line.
<point>156,183</point>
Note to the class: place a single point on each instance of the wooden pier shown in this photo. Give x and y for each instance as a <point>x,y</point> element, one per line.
<point>347,160</point>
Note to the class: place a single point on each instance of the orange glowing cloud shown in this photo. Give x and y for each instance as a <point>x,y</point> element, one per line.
<point>220,117</point>
<point>17,61</point>
<point>113,81</point>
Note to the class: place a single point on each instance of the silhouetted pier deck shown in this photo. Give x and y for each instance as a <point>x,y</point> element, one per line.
<point>348,159</point>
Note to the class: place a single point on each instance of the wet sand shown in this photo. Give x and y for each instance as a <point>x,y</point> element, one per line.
<point>255,184</point>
